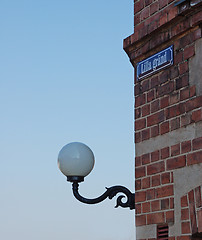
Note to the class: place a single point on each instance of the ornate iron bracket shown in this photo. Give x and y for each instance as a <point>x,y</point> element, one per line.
<point>110,193</point>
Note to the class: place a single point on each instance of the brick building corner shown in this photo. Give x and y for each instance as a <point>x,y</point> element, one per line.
<point>168,119</point>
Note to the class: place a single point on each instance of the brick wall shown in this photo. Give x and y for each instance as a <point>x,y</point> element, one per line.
<point>191,212</point>
<point>168,119</point>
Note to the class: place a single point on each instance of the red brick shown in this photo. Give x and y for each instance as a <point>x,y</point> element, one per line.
<point>171,177</point>
<point>164,77</point>
<point>186,146</point>
<point>191,196</point>
<point>185,228</point>
<point>137,89</point>
<point>175,149</point>
<point>198,199</point>
<point>140,172</point>
<point>182,107</point>
<point>174,98</point>
<point>184,94</point>
<point>186,40</point>
<point>174,72</point>
<point>172,13</point>
<point>175,124</point>
<point>145,13</point>
<point>166,88</point>
<point>165,204</point>
<point>156,180</point>
<point>150,95</point>
<point>137,18</point>
<point>171,203</point>
<point>185,214</point>
<point>178,57</point>
<point>140,220</point>
<point>184,202</point>
<point>155,205</point>
<point>184,237</point>
<point>177,162</point>
<point>189,52</point>
<point>155,131</point>
<point>152,25</point>
<point>172,111</point>
<point>199,218</point>
<point>154,81</point>
<point>146,110</point>
<point>155,17</point>
<point>146,134</point>
<point>180,27</point>
<point>151,193</point>
<point>138,184</point>
<point>145,158</point>
<point>145,48</point>
<point>182,82</point>
<point>196,116</point>
<point>138,208</point>
<point>155,106</point>
<point>140,100</point>
<point>164,191</point>
<point>192,91</point>
<point>155,156</point>
<point>138,161</point>
<point>154,8</point>
<point>137,113</point>
<point>138,137</point>
<point>192,212</point>
<point>185,120</point>
<point>170,216</point>
<point>164,127</point>
<point>138,6</point>
<point>194,158</point>
<point>146,207</point>
<point>183,67</point>
<point>140,197</point>
<point>155,168</point>
<point>165,178</point>
<point>193,103</point>
<point>164,102</point>
<point>147,2</point>
<point>197,18</point>
<point>140,124</point>
<point>155,218</point>
<point>197,34</point>
<point>165,153</point>
<point>162,3</point>
<point>163,19</point>
<point>143,31</point>
<point>145,182</point>
<point>155,118</point>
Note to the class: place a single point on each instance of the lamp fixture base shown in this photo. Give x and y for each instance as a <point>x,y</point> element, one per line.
<point>75,179</point>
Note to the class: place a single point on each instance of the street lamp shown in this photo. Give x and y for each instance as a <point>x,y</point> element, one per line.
<point>76,161</point>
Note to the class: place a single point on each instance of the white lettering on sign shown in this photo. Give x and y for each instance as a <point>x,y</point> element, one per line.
<point>159,60</point>
<point>146,67</point>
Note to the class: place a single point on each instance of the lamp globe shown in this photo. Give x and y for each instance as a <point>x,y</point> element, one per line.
<point>76,160</point>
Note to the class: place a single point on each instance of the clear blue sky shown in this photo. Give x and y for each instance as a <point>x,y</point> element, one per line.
<point>64,77</point>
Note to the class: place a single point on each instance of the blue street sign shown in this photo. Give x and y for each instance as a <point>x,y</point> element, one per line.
<point>155,63</point>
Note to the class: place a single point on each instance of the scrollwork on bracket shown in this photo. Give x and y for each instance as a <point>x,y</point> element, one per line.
<point>110,193</point>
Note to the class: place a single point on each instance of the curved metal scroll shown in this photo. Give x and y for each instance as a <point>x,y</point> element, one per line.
<point>110,193</point>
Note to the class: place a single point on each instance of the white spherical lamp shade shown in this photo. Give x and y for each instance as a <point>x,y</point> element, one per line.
<point>76,159</point>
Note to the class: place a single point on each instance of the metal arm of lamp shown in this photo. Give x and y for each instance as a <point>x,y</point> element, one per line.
<point>76,160</point>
